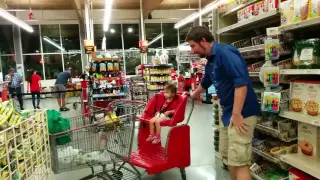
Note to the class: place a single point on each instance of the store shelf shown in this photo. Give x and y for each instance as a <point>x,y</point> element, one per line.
<point>108,78</point>
<point>254,74</point>
<point>304,163</point>
<point>252,48</point>
<point>105,59</point>
<point>300,72</point>
<point>158,74</point>
<point>158,81</point>
<point>269,157</point>
<point>313,120</point>
<point>257,20</point>
<point>158,66</point>
<point>300,25</point>
<point>238,7</point>
<point>274,132</point>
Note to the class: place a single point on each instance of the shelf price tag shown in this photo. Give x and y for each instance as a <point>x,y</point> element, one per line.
<point>316,122</point>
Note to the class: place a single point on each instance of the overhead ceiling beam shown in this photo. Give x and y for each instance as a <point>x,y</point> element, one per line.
<point>76,4</point>
<point>149,6</point>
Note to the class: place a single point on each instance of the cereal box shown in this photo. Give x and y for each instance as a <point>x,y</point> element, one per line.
<point>259,8</point>
<point>250,11</point>
<point>272,4</point>
<point>286,10</point>
<point>300,10</point>
<point>314,10</point>
<point>309,140</point>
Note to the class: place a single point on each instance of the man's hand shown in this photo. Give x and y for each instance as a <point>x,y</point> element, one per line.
<point>194,95</point>
<point>238,122</point>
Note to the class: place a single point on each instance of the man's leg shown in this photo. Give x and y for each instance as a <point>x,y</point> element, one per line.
<point>240,151</point>
<point>19,95</point>
<point>59,102</point>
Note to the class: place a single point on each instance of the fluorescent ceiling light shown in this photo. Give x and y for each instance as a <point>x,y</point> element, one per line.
<point>196,15</point>
<point>112,31</point>
<point>156,38</point>
<point>107,14</point>
<point>50,41</point>
<point>13,19</point>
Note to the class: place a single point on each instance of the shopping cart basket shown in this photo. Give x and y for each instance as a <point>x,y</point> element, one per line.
<point>90,136</point>
<point>152,157</point>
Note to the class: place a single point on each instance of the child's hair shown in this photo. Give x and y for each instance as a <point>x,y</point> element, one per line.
<point>171,87</point>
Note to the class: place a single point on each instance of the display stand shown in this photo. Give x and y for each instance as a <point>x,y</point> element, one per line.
<point>155,76</point>
<point>244,24</point>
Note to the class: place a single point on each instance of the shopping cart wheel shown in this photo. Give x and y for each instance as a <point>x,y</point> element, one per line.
<point>183,173</point>
<point>75,106</point>
<point>117,174</point>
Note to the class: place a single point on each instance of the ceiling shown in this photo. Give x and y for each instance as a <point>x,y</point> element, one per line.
<point>99,4</point>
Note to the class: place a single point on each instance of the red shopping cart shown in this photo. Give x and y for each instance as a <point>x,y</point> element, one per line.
<point>176,153</point>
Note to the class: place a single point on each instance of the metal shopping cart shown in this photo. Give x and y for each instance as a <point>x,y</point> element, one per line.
<point>85,144</point>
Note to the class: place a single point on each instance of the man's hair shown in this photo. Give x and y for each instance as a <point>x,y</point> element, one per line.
<point>171,87</point>
<point>198,33</point>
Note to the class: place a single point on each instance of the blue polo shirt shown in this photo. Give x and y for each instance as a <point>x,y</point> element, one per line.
<point>226,70</point>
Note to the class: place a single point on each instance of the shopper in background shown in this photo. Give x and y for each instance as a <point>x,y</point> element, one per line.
<point>14,85</point>
<point>60,88</point>
<point>227,71</point>
<point>34,86</point>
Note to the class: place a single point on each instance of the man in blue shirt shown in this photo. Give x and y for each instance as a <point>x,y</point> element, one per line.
<point>14,85</point>
<point>227,71</point>
<point>60,88</point>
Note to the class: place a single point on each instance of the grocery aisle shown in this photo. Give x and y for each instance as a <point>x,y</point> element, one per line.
<point>202,151</point>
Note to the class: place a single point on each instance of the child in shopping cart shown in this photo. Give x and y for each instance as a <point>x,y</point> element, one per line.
<point>165,113</point>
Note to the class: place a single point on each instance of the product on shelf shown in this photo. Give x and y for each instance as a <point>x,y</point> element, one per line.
<point>271,102</point>
<point>300,10</point>
<point>286,10</point>
<point>116,66</point>
<point>272,49</point>
<point>110,66</point>
<point>309,140</point>
<point>295,174</point>
<point>259,8</point>
<point>305,97</point>
<point>271,76</point>
<point>306,53</point>
<point>314,10</point>
<point>103,67</point>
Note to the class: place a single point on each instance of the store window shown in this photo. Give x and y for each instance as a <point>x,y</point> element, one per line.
<point>131,36</point>
<point>32,62</point>
<point>52,65</point>
<point>70,37</point>
<point>7,62</point>
<point>6,39</point>
<point>51,39</point>
<point>31,41</point>
<point>152,31</point>
<point>73,61</point>
<point>184,31</point>
<point>133,59</point>
<point>170,38</point>
<point>113,36</point>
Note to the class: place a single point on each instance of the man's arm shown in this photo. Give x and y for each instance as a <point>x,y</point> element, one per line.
<point>205,84</point>
<point>197,92</point>
<point>240,94</point>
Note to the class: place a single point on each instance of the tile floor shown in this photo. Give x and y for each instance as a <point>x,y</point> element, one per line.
<point>203,166</point>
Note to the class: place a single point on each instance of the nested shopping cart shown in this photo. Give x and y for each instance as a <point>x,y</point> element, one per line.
<point>93,136</point>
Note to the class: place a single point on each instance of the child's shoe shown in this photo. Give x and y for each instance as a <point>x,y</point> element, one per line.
<point>151,137</point>
<point>156,140</point>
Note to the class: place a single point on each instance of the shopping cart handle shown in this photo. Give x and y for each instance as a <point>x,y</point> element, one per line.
<point>190,113</point>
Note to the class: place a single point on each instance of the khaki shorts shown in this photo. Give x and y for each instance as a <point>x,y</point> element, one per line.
<point>238,148</point>
<point>57,88</point>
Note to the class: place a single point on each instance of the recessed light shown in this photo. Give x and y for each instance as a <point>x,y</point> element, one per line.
<point>112,31</point>
<point>130,30</point>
